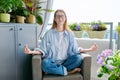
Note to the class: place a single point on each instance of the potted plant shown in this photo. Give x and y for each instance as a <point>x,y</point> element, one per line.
<point>78,29</point>
<point>8,9</point>
<point>98,26</point>
<point>97,29</point>
<point>74,26</point>
<point>109,62</point>
<point>17,9</point>
<point>34,9</point>
<point>5,8</point>
<point>118,29</point>
<point>21,14</point>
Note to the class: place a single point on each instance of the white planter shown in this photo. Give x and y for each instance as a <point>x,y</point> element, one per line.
<point>78,34</point>
<point>96,34</point>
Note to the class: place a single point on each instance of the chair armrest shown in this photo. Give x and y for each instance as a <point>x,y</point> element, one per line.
<point>86,66</point>
<point>36,67</point>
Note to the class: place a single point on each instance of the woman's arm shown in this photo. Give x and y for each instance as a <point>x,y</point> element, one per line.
<point>92,48</point>
<point>28,51</point>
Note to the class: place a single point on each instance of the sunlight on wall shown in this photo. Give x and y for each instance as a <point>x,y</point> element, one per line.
<point>89,10</point>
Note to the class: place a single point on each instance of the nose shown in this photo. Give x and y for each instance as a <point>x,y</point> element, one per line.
<point>60,18</point>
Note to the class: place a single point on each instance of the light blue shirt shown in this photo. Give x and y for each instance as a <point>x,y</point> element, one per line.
<point>49,44</point>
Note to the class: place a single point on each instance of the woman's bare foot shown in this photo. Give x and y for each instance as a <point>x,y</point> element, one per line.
<point>74,71</point>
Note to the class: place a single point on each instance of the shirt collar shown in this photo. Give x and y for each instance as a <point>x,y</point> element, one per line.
<point>65,32</point>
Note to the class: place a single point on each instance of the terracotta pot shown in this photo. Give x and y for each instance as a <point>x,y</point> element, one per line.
<point>20,19</point>
<point>31,19</point>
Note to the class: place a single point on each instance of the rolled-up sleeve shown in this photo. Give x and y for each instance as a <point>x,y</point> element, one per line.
<point>44,45</point>
<point>75,47</point>
<point>73,44</point>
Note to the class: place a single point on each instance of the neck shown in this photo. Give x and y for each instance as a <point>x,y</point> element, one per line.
<point>60,28</point>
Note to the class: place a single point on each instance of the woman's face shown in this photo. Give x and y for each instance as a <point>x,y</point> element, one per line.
<point>60,18</point>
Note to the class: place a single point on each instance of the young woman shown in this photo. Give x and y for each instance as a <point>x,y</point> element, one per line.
<point>59,49</point>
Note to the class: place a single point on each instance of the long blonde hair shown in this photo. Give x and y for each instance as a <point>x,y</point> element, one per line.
<point>54,25</point>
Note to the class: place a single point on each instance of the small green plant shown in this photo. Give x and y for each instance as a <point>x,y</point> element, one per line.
<point>109,61</point>
<point>5,6</point>
<point>74,26</point>
<point>21,11</point>
<point>118,29</point>
<point>84,26</point>
<point>78,27</point>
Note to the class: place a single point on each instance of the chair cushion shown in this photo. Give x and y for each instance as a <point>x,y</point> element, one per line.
<point>76,76</point>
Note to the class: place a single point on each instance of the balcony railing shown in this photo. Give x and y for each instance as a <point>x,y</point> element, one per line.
<point>110,24</point>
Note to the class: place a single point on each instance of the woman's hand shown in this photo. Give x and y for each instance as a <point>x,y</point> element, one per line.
<point>93,47</point>
<point>27,50</point>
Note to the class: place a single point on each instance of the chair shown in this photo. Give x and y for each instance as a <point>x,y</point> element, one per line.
<point>85,73</point>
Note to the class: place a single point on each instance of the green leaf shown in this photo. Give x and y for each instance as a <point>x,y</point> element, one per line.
<point>99,75</point>
<point>72,25</point>
<point>48,10</point>
<point>112,77</point>
<point>39,19</point>
<point>30,4</point>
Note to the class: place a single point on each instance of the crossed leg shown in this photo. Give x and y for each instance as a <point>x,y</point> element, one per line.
<point>74,71</point>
